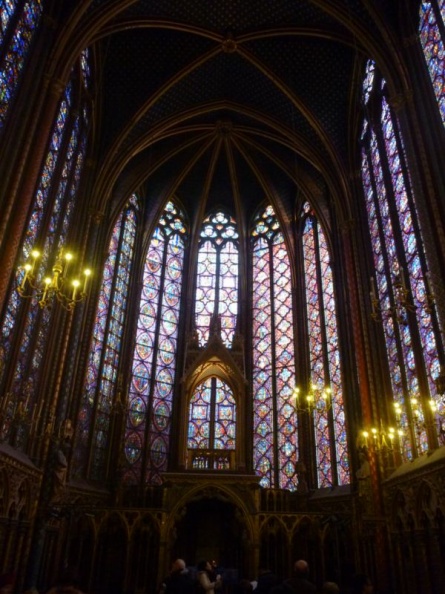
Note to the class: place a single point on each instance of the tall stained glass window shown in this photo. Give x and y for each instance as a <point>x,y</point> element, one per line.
<point>18,23</point>
<point>400,288</point>
<point>99,391</point>
<point>432,37</point>
<point>324,356</point>
<point>212,424</point>
<point>150,396</point>
<point>217,277</point>
<point>275,427</point>
<point>25,326</point>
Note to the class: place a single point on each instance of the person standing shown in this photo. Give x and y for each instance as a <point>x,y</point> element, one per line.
<point>179,580</point>
<point>266,581</point>
<point>299,583</point>
<point>204,577</point>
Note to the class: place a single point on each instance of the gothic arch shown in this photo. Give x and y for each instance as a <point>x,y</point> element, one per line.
<point>211,520</point>
<point>111,555</point>
<point>215,360</point>
<point>81,544</point>
<point>143,554</point>
<point>306,542</point>
<point>208,489</point>
<point>274,546</point>
<point>426,502</point>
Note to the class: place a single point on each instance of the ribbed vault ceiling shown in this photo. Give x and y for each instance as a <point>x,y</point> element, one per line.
<point>231,102</point>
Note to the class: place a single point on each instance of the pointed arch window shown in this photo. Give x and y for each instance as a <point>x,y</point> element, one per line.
<point>105,354</point>
<point>432,38</point>
<point>217,277</point>
<point>25,326</point>
<point>150,399</point>
<point>400,285</point>
<point>19,21</point>
<point>275,423</point>
<point>328,416</point>
<point>212,425</point>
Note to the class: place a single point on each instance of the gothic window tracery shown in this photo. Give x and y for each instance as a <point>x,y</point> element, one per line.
<point>18,24</point>
<point>212,424</point>
<point>24,323</point>
<point>275,422</point>
<point>105,351</point>
<point>150,399</point>
<point>432,37</point>
<point>331,451</point>
<point>400,286</point>
<point>217,277</point>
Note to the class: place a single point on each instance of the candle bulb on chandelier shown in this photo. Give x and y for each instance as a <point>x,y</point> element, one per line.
<point>365,435</point>
<point>326,395</point>
<point>47,283</point>
<point>68,258</point>
<point>76,284</point>
<point>87,273</point>
<point>35,255</point>
<point>398,410</point>
<point>28,269</point>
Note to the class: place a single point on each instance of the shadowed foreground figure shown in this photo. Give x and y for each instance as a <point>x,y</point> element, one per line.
<point>267,580</point>
<point>179,580</point>
<point>299,583</point>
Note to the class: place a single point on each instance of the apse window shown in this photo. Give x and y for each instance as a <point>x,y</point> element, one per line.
<point>216,305</point>
<point>212,426</point>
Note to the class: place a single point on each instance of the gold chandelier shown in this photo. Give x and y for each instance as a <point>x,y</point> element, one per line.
<point>318,398</point>
<point>61,285</point>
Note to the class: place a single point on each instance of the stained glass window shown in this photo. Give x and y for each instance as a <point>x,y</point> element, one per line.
<point>99,392</point>
<point>324,356</point>
<point>24,322</point>
<point>400,290</point>
<point>217,278</point>
<point>85,67</point>
<point>432,32</point>
<point>275,424</point>
<point>18,24</point>
<point>212,424</point>
<point>150,397</point>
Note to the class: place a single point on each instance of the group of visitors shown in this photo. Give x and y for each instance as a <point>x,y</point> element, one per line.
<point>180,581</point>
<point>209,581</point>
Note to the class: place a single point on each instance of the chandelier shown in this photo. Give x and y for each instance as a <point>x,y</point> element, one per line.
<point>318,398</point>
<point>403,303</point>
<point>60,284</point>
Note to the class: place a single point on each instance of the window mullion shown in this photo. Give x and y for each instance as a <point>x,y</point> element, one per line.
<point>273,364</point>
<point>212,419</point>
